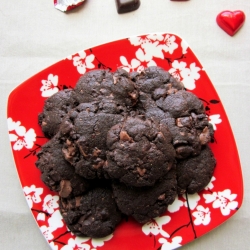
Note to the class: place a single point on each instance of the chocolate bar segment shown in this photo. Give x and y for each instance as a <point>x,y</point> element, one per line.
<point>124,6</point>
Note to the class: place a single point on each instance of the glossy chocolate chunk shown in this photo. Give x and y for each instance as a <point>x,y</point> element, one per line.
<point>124,6</point>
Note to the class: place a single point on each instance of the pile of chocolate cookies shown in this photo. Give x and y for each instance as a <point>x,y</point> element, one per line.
<point>123,144</point>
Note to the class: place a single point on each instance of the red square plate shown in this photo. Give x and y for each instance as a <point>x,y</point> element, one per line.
<point>189,217</point>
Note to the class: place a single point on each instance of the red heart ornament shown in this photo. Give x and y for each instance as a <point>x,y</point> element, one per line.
<point>231,21</point>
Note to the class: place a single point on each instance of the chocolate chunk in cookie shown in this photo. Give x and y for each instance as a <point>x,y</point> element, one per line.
<point>194,173</point>
<point>57,173</point>
<point>140,152</point>
<point>146,203</point>
<point>93,214</point>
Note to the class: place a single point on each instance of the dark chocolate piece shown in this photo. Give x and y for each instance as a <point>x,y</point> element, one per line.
<point>124,6</point>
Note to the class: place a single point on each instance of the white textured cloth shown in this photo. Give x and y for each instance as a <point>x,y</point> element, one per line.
<point>34,35</point>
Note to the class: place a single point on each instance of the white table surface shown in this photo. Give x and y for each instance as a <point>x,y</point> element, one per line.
<point>34,35</point>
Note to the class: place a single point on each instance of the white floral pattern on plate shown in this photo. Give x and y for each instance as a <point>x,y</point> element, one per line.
<point>83,62</point>
<point>214,120</point>
<point>223,200</point>
<point>187,76</point>
<point>49,86</point>
<point>167,245</point>
<point>32,194</point>
<point>154,226</point>
<point>20,136</point>
<point>202,216</point>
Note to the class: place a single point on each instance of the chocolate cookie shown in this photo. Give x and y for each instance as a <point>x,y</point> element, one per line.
<point>93,214</point>
<point>148,107</point>
<point>181,103</point>
<point>163,98</point>
<point>114,87</point>
<point>57,173</point>
<point>156,81</point>
<point>194,174</point>
<point>184,114</point>
<point>55,108</point>
<point>140,152</point>
<point>190,133</point>
<point>84,131</point>
<point>146,203</point>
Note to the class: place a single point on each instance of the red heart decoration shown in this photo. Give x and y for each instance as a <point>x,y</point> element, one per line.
<point>231,21</point>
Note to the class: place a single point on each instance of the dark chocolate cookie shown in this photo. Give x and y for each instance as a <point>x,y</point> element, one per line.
<point>84,131</point>
<point>163,98</point>
<point>182,103</point>
<point>114,87</point>
<point>140,152</point>
<point>190,133</point>
<point>146,203</point>
<point>55,108</point>
<point>93,214</point>
<point>156,81</point>
<point>184,114</point>
<point>57,173</point>
<point>194,174</point>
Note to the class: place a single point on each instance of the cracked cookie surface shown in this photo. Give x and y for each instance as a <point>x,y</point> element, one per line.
<point>93,214</point>
<point>55,108</point>
<point>57,173</point>
<point>194,173</point>
<point>140,152</point>
<point>146,203</point>
<point>84,132</point>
